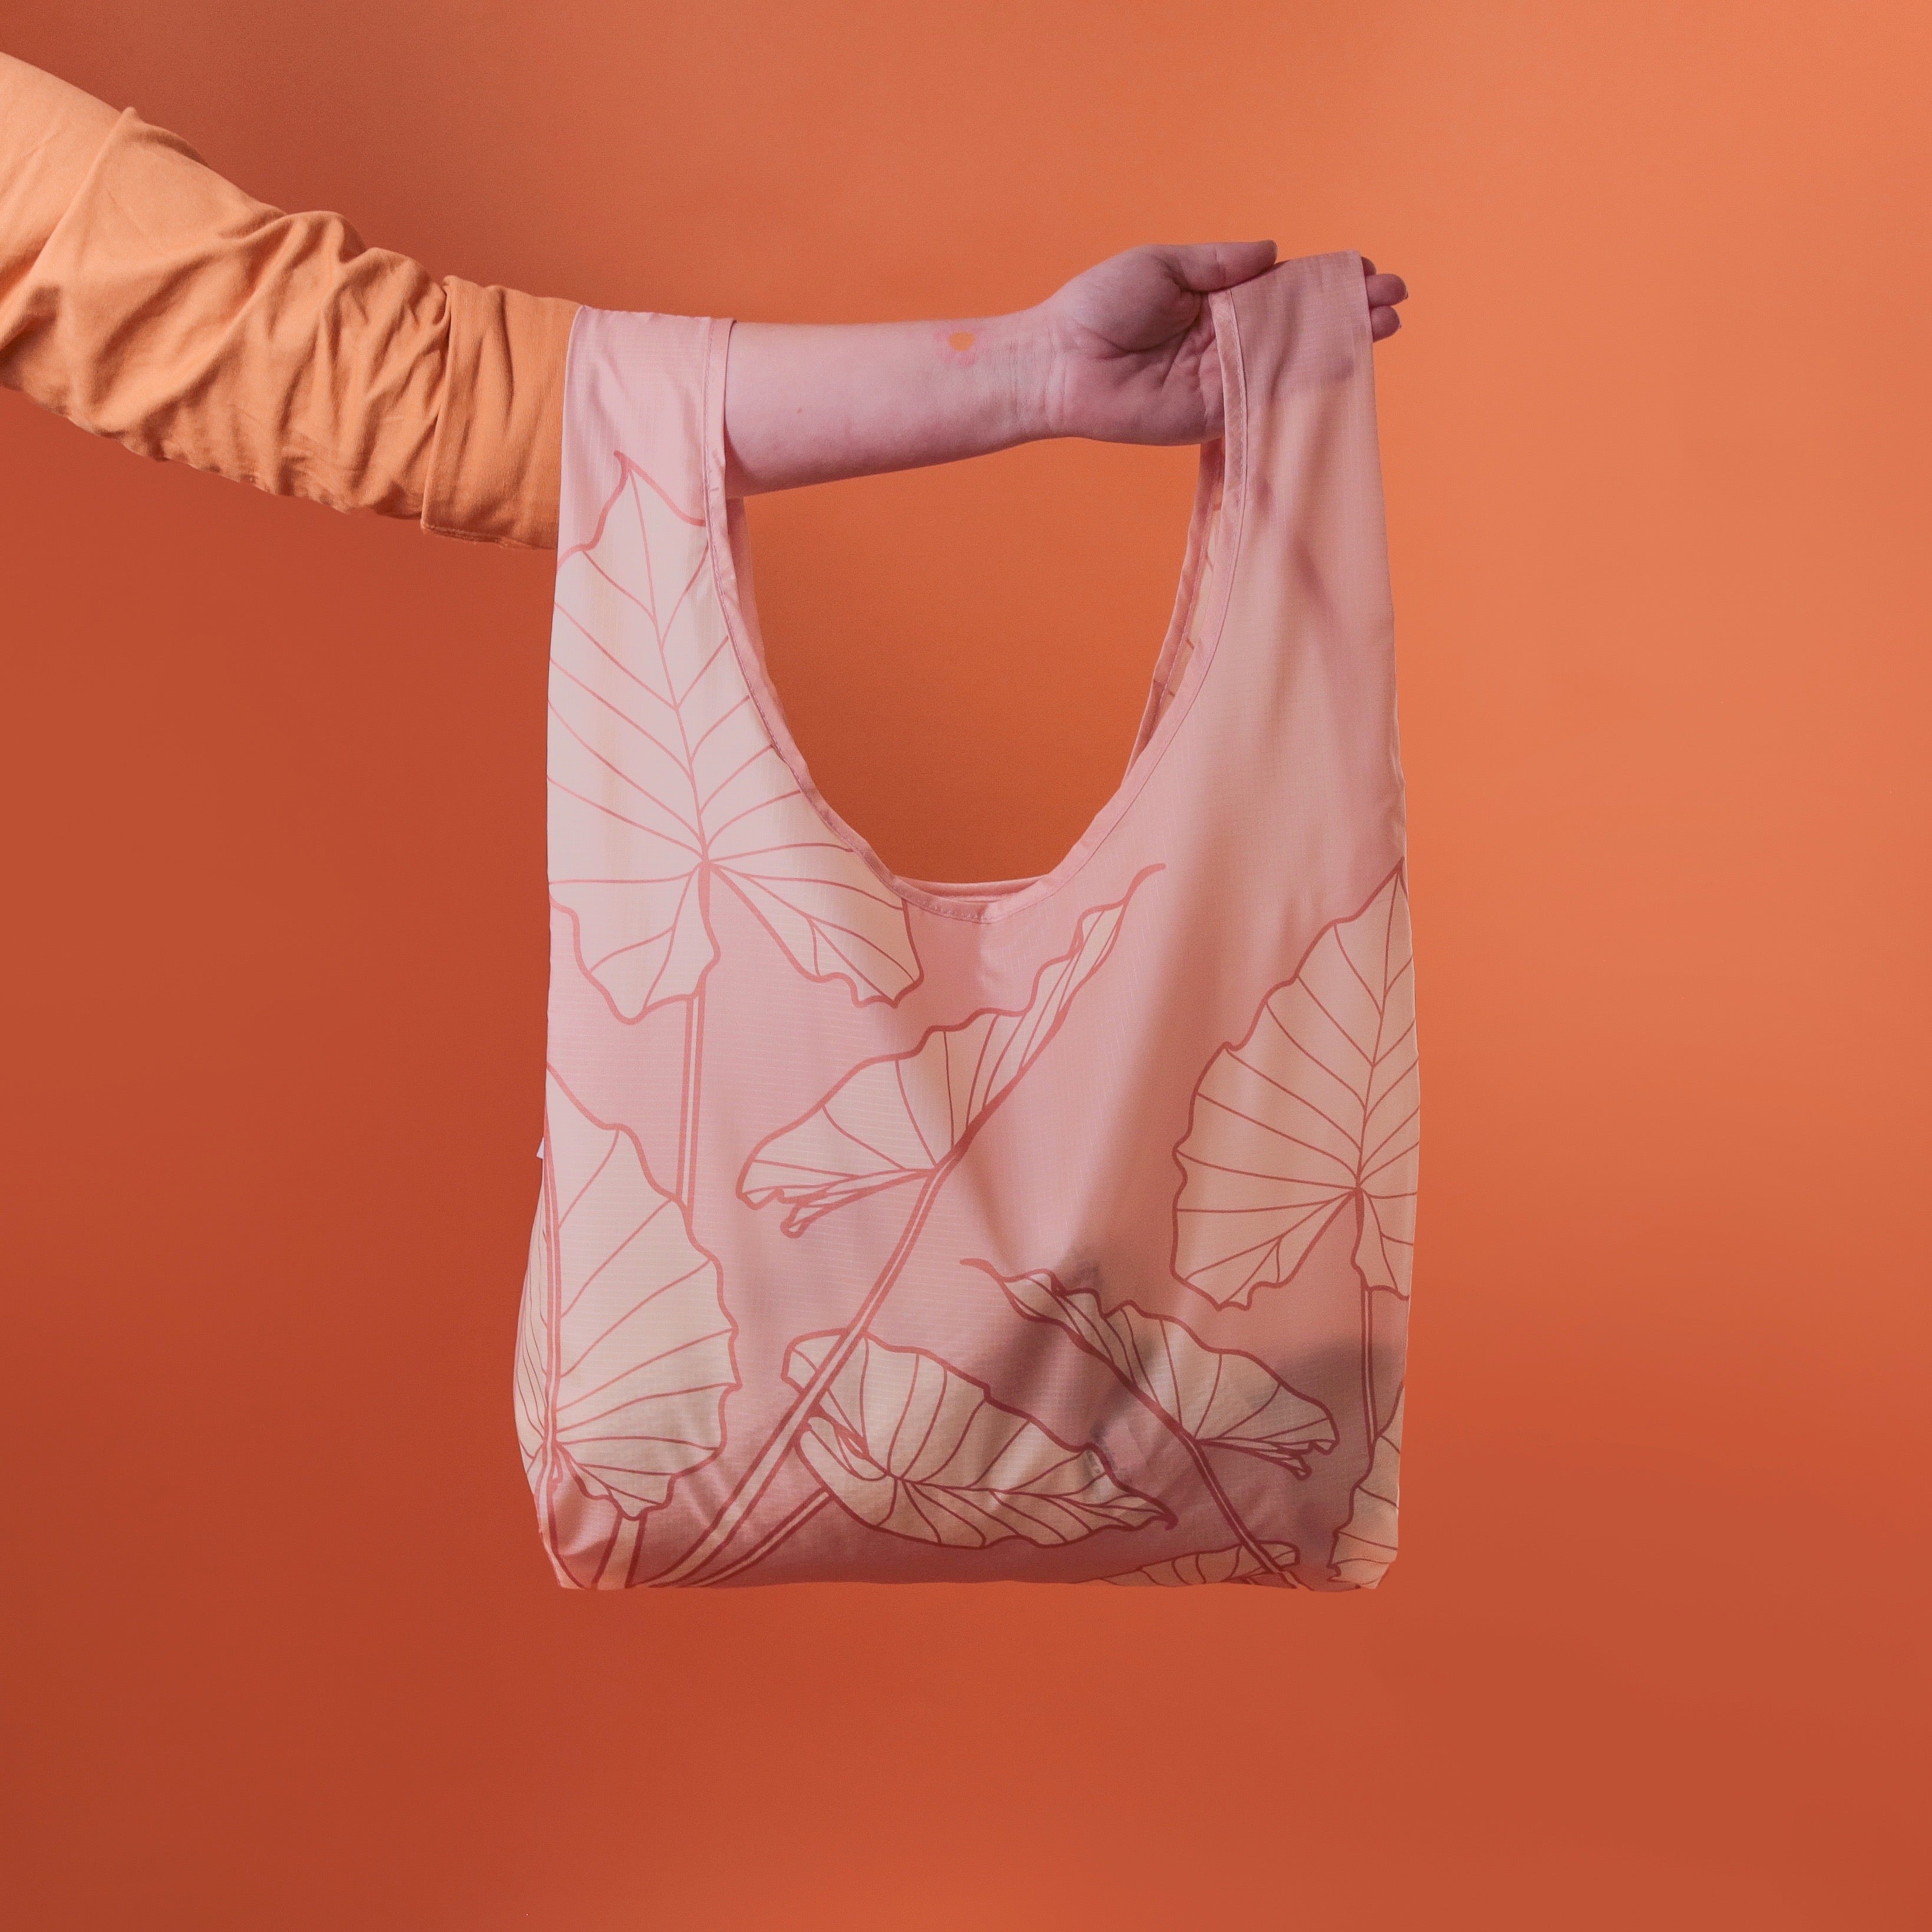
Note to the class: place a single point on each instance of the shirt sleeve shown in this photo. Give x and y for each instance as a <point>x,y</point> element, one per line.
<point>146,298</point>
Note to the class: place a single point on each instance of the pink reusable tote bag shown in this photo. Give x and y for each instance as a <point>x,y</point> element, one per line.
<point>1053,1229</point>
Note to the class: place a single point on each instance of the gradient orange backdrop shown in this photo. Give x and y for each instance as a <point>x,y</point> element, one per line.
<point>1656,445</point>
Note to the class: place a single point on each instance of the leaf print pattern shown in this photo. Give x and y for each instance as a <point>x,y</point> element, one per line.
<point>663,779</point>
<point>1313,1112</point>
<point>1237,1565</point>
<point>1220,1399</point>
<point>820,1163</point>
<point>898,1117</point>
<point>909,1445</point>
<point>1208,1398</point>
<point>624,1353</point>
<point>1365,1544</point>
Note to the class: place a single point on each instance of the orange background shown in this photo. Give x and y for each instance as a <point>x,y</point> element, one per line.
<point>282,1651</point>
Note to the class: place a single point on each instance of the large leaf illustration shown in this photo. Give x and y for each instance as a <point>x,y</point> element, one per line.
<point>624,1353</point>
<point>1236,1565</point>
<point>1220,1399</point>
<point>909,1445</point>
<point>663,777</point>
<point>896,1118</point>
<point>1365,1544</point>
<point>1313,1113</point>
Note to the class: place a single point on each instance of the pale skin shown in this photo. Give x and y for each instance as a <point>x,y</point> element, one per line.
<point>1123,353</point>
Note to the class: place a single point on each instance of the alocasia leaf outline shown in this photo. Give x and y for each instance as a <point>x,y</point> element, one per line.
<point>1218,1399</point>
<point>625,1350</point>
<point>1221,1398</point>
<point>907,1444</point>
<point>663,779</point>
<point>1312,1114</point>
<point>901,1116</point>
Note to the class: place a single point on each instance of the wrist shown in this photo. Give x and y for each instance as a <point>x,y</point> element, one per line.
<point>1032,360</point>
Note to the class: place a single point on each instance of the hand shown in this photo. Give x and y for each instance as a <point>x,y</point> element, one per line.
<point>1130,345</point>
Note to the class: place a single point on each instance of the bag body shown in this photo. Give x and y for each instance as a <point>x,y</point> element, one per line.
<point>1054,1229</point>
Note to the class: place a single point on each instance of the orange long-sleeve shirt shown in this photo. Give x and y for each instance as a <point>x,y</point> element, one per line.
<point>145,298</point>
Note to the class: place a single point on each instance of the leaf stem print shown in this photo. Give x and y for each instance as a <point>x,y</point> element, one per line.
<point>1205,1398</point>
<point>692,1072</point>
<point>766,1544</point>
<point>1371,1421</point>
<point>896,1118</point>
<point>1365,1545</point>
<point>620,1553</point>
<point>1252,1544</point>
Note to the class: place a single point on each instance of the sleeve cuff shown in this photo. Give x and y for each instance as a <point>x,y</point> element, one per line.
<point>496,460</point>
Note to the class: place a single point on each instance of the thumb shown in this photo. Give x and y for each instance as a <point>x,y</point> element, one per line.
<point>1205,266</point>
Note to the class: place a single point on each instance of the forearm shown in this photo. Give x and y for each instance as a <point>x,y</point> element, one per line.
<point>1123,353</point>
<point>813,403</point>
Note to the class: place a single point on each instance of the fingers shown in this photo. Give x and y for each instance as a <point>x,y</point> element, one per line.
<point>1205,266</point>
<point>1383,292</point>
<point>1200,267</point>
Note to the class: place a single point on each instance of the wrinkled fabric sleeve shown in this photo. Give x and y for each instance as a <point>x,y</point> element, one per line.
<point>146,298</point>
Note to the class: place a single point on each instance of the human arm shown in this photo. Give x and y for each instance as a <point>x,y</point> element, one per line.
<point>147,298</point>
<point>1123,353</point>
